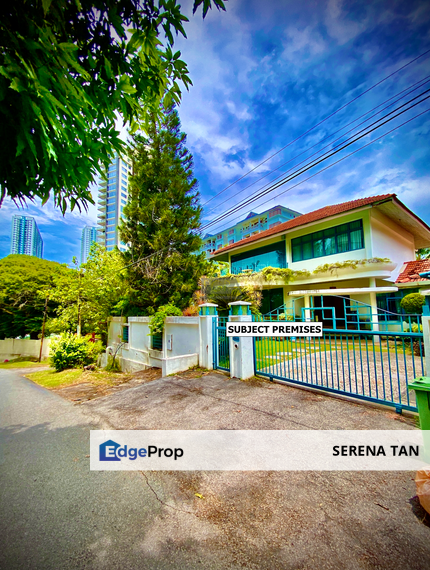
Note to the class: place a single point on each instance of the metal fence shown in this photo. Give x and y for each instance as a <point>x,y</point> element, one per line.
<point>366,357</point>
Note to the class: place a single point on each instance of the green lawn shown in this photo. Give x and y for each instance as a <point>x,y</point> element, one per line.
<point>51,379</point>
<point>23,364</point>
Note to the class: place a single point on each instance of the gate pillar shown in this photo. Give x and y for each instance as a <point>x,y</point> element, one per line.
<point>241,348</point>
<point>207,314</point>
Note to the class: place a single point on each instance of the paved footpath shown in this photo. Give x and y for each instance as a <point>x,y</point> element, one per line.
<point>54,512</point>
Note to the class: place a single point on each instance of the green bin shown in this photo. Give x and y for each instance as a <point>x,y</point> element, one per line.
<point>422,393</point>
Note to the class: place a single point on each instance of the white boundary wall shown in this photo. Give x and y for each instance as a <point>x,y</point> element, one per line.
<point>14,347</point>
<point>137,354</point>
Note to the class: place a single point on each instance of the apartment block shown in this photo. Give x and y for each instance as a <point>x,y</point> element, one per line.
<point>253,224</point>
<point>26,238</point>
<point>113,195</point>
<point>89,236</point>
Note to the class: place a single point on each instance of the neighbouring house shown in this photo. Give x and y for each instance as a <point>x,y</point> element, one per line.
<point>344,257</point>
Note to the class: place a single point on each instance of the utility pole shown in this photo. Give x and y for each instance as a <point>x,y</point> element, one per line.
<point>43,327</point>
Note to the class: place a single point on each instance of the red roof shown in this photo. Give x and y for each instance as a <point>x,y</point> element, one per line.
<point>411,271</point>
<point>314,216</point>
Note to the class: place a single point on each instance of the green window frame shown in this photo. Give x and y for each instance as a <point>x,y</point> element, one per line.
<point>337,239</point>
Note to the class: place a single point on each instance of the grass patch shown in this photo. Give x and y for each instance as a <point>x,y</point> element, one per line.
<point>23,363</point>
<point>51,379</point>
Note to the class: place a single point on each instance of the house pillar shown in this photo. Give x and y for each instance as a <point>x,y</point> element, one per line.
<point>307,303</point>
<point>374,305</point>
<point>241,347</point>
<point>208,312</point>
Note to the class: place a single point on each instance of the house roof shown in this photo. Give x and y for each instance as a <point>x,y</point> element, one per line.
<point>314,216</point>
<point>411,270</point>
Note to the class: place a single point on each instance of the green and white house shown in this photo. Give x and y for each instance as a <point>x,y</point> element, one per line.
<point>346,258</point>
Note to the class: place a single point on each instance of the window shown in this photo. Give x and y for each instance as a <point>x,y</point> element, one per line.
<point>231,241</point>
<point>268,256</point>
<point>157,341</point>
<point>274,224</point>
<point>231,232</point>
<point>339,239</point>
<point>124,188</point>
<point>219,236</point>
<point>275,212</point>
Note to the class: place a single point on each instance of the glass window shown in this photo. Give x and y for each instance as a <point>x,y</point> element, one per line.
<point>329,242</point>
<point>270,255</point>
<point>339,239</point>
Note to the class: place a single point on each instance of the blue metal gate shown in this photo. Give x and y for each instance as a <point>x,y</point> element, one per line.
<point>364,354</point>
<point>221,346</point>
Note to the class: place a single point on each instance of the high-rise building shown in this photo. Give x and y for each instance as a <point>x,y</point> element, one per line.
<point>89,236</point>
<point>26,238</point>
<point>253,224</point>
<point>113,194</point>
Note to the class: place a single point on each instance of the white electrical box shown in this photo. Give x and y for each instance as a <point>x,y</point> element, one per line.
<point>169,342</point>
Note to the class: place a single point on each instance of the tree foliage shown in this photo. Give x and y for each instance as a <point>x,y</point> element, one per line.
<point>25,283</point>
<point>161,219</point>
<point>422,253</point>
<point>67,68</point>
<point>90,294</point>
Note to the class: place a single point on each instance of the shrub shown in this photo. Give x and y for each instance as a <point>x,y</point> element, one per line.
<point>413,303</point>
<point>414,328</point>
<point>157,321</point>
<point>70,351</point>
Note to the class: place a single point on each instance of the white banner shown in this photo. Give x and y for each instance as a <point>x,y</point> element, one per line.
<point>273,328</point>
<point>257,450</point>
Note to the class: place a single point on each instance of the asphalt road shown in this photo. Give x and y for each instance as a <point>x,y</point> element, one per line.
<point>54,512</point>
<point>57,514</point>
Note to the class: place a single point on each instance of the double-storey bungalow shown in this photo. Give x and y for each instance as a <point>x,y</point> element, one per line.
<point>362,251</point>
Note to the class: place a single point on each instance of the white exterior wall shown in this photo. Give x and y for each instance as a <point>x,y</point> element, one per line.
<point>137,354</point>
<point>388,239</point>
<point>13,348</point>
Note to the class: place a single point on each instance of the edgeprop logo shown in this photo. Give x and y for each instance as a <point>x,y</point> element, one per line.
<point>112,451</point>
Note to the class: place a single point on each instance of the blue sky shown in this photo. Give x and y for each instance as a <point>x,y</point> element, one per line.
<point>266,72</point>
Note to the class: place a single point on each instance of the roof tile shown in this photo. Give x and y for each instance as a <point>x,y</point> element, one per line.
<point>411,271</point>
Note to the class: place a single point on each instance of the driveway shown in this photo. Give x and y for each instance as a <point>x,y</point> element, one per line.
<point>57,514</point>
<point>291,520</point>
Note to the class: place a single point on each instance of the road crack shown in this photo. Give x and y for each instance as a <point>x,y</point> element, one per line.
<point>161,501</point>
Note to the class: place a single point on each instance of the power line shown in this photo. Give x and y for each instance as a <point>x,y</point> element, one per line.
<point>321,159</point>
<point>320,123</point>
<point>416,86</point>
<point>277,185</point>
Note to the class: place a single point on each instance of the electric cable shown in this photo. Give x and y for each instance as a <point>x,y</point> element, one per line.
<point>320,123</point>
<point>317,161</point>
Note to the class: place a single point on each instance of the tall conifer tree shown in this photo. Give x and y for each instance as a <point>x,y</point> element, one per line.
<point>161,218</point>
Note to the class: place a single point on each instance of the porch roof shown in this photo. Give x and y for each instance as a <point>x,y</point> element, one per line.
<point>410,272</point>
